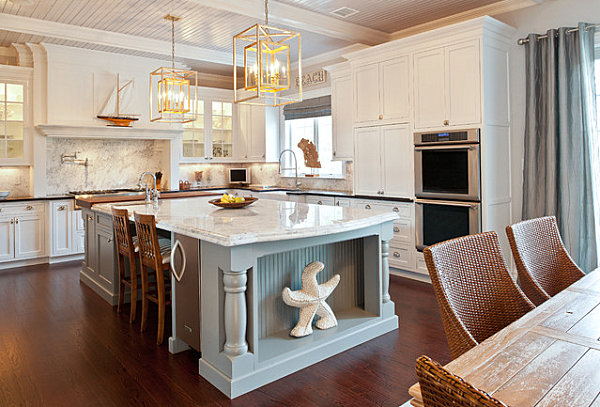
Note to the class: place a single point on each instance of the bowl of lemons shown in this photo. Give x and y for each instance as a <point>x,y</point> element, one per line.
<point>228,201</point>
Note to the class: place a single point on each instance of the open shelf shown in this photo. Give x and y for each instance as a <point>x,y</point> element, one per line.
<point>280,345</point>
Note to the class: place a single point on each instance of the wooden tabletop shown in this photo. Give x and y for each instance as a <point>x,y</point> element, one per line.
<point>549,357</point>
<point>87,201</point>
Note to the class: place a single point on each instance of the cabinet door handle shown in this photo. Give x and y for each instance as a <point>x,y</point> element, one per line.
<point>396,254</point>
<point>367,206</point>
<point>17,221</point>
<point>396,209</point>
<point>109,240</point>
<point>334,153</point>
<point>446,122</point>
<point>396,229</point>
<point>28,207</point>
<point>380,117</point>
<point>12,221</point>
<point>61,208</point>
<point>337,204</point>
<point>319,202</point>
<point>178,276</point>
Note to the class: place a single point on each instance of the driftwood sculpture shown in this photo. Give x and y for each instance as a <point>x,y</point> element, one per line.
<point>311,156</point>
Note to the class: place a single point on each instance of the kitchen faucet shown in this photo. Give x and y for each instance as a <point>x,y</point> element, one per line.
<point>151,195</point>
<point>296,183</point>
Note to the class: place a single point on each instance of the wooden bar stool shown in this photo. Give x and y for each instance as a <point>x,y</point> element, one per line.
<point>126,247</point>
<point>155,254</point>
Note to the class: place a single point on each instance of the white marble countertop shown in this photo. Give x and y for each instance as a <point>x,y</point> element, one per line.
<point>265,220</point>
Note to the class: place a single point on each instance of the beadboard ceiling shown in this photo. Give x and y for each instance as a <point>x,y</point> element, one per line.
<point>204,34</point>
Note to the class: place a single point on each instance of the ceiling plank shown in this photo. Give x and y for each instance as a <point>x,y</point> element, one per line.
<point>68,32</point>
<point>301,19</point>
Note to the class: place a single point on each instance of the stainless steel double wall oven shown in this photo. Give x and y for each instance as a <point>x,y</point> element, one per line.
<point>447,185</point>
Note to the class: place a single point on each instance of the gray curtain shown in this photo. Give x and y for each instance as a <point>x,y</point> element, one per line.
<point>559,137</point>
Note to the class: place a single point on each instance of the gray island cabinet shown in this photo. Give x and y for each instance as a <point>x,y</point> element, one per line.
<point>237,263</point>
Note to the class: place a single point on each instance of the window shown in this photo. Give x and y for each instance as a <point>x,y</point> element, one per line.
<point>11,120</point>
<point>193,135</point>
<point>311,119</point>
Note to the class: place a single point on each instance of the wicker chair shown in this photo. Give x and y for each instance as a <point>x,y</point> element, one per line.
<point>544,266</point>
<point>475,293</point>
<point>440,388</point>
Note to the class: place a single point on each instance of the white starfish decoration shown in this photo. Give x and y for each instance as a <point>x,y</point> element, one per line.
<point>311,300</point>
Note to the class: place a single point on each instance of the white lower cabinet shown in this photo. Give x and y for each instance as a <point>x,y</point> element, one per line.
<point>7,239</point>
<point>22,231</point>
<point>66,229</point>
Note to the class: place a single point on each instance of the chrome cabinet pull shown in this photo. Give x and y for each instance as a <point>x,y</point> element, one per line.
<point>17,221</point>
<point>12,221</point>
<point>367,206</point>
<point>396,229</point>
<point>109,240</point>
<point>396,209</point>
<point>396,254</point>
<point>178,276</point>
<point>319,202</point>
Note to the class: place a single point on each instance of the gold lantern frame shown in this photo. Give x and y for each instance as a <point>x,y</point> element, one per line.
<point>173,91</point>
<point>264,39</point>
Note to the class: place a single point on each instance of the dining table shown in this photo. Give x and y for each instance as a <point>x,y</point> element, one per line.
<point>548,357</point>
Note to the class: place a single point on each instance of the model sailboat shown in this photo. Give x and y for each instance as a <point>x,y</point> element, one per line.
<point>118,106</point>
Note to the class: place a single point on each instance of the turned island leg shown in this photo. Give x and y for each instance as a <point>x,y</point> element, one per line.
<point>385,271</point>
<point>234,284</point>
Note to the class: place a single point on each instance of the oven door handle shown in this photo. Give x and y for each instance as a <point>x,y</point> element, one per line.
<point>472,205</point>
<point>441,147</point>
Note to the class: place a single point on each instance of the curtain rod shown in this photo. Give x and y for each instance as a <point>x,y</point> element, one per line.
<point>524,41</point>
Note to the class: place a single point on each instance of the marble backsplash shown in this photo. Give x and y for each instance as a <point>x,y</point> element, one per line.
<point>15,180</point>
<point>111,163</point>
<point>263,174</point>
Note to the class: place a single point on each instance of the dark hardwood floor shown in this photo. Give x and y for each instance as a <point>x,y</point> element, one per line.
<point>62,345</point>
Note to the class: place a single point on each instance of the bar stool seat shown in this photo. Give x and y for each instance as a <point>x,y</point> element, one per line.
<point>165,248</point>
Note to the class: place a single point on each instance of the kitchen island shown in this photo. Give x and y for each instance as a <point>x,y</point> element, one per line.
<point>237,263</point>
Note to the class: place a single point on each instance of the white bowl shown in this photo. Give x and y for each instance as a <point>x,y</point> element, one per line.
<point>4,194</point>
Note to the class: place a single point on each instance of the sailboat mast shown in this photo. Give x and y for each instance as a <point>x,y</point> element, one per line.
<point>118,91</point>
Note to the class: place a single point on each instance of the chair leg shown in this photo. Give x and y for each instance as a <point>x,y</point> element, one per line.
<point>121,266</point>
<point>161,306</point>
<point>134,290</point>
<point>144,297</point>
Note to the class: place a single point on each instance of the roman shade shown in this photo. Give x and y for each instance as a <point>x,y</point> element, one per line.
<point>315,107</point>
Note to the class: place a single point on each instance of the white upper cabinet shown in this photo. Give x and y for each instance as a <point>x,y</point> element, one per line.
<point>341,115</point>
<point>256,133</point>
<point>447,86</point>
<point>383,161</point>
<point>382,92</point>
<point>395,90</point>
<point>366,92</point>
<point>463,83</point>
<point>429,88</point>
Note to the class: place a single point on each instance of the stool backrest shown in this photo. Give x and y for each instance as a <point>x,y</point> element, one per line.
<point>145,226</point>
<point>123,238</point>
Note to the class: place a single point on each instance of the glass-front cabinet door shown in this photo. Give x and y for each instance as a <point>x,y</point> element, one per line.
<point>193,136</point>
<point>222,133</point>
<point>211,135</point>
<point>12,121</point>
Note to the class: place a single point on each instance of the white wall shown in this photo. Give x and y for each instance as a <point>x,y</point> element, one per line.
<point>537,19</point>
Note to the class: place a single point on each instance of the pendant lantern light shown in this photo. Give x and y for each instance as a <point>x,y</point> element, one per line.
<point>173,91</point>
<point>272,65</point>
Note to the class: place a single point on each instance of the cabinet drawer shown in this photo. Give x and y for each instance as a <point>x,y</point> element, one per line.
<point>402,257</point>
<point>104,220</point>
<point>421,266</point>
<point>22,208</point>
<point>402,231</point>
<point>320,200</point>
